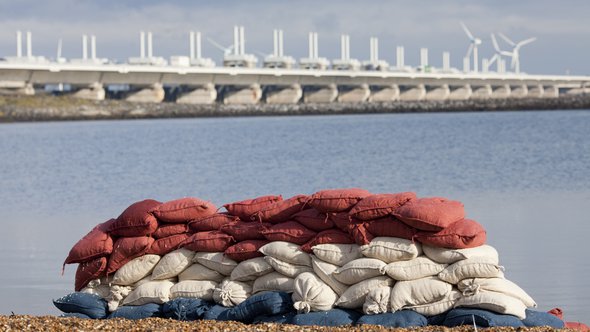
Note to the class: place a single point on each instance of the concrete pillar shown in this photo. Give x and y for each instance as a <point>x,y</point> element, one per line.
<point>519,91</point>
<point>150,94</point>
<point>320,94</point>
<point>550,91</point>
<point>481,92</point>
<point>578,91</point>
<point>412,92</point>
<point>92,92</point>
<point>245,94</point>
<point>353,94</point>
<point>384,93</point>
<point>501,91</point>
<point>289,94</point>
<point>462,92</point>
<point>536,91</point>
<point>18,88</point>
<point>441,92</point>
<point>201,94</point>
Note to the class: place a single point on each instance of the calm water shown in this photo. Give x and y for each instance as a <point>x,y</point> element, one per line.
<point>524,176</point>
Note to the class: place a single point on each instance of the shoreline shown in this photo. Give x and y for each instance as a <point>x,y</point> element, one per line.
<point>66,108</point>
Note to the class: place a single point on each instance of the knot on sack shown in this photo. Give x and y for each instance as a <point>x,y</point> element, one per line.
<point>93,283</point>
<point>225,294</point>
<point>471,289</point>
<point>303,307</point>
<point>373,309</point>
<point>383,269</point>
<point>113,305</point>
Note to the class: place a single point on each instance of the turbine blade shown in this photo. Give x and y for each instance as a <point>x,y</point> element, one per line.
<point>506,53</point>
<point>526,41</point>
<point>466,30</point>
<point>216,44</point>
<point>506,39</point>
<point>493,59</point>
<point>495,43</point>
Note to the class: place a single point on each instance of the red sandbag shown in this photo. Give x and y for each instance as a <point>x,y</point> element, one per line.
<point>280,211</point>
<point>577,326</point>
<point>314,220</point>
<point>126,249</point>
<point>211,223</point>
<point>244,209</point>
<point>167,244</point>
<point>341,220</point>
<point>430,214</point>
<point>244,250</point>
<point>380,205</point>
<point>465,233</point>
<point>184,210</point>
<point>242,231</point>
<point>390,227</point>
<point>290,231</point>
<point>327,236</point>
<point>96,243</point>
<point>136,220</point>
<point>337,200</point>
<point>89,271</point>
<point>557,312</point>
<point>360,234</point>
<point>211,241</point>
<point>166,230</point>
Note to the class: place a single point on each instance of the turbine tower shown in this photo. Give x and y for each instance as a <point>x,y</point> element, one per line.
<point>515,54</point>
<point>497,57</point>
<point>474,42</point>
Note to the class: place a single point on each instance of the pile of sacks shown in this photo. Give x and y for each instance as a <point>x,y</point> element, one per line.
<point>335,257</point>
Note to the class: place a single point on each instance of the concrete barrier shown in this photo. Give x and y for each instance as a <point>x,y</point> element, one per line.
<point>320,94</point>
<point>462,92</point>
<point>151,94</point>
<point>384,93</point>
<point>535,91</point>
<point>353,94</point>
<point>501,91</point>
<point>481,92</point>
<point>247,95</point>
<point>441,92</point>
<point>519,91</point>
<point>289,94</point>
<point>413,93</point>
<point>93,92</point>
<point>550,91</point>
<point>202,94</point>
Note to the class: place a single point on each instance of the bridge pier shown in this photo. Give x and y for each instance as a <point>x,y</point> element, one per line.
<point>353,94</point>
<point>550,91</point>
<point>535,91</point>
<point>242,94</point>
<point>438,93</point>
<point>482,92</point>
<point>578,91</point>
<point>17,88</point>
<point>283,94</point>
<point>413,93</point>
<point>384,93</point>
<point>462,92</point>
<point>200,94</point>
<point>150,94</point>
<point>92,92</point>
<point>519,91</point>
<point>320,94</point>
<point>501,92</point>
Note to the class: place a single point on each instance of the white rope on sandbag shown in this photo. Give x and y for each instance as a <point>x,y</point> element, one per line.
<point>302,307</point>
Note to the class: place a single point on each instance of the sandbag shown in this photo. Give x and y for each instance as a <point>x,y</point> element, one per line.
<point>251,269</point>
<point>284,318</point>
<point>147,310</point>
<point>198,289</point>
<point>185,309</point>
<point>391,249</point>
<point>290,231</point>
<point>217,312</point>
<point>213,222</point>
<point>380,205</point>
<point>287,252</point>
<point>166,230</point>
<point>496,302</point>
<point>450,256</point>
<point>245,250</point>
<point>377,301</point>
<point>540,318</point>
<point>173,264</point>
<point>342,220</point>
<point>430,214</point>
<point>336,200</point>
<point>417,292</point>
<point>231,293</point>
<point>324,271</point>
<point>280,211</point>
<point>462,234</point>
<point>135,270</point>
<point>333,236</point>
<point>244,209</point>
<point>198,271</point>
<point>310,293</point>
<point>274,282</point>
<point>337,254</point>
<point>333,317</point>
<point>400,319</point>
<point>360,234</point>
<point>417,268</point>
<point>389,227</point>
<point>358,270</point>
<point>88,271</point>
<point>287,269</point>
<point>127,248</point>
<point>577,326</point>
<point>211,241</point>
<point>150,292</point>
<point>98,287</point>
<point>73,315</point>
<point>313,219</point>
<point>90,305</point>
<point>267,303</point>
<point>117,293</point>
<point>437,308</point>
<point>472,286</point>
<point>95,244</point>
<point>183,210</point>
<point>243,231</point>
<point>167,244</point>
<point>479,317</point>
<point>216,261</point>
<point>476,267</point>
<point>135,220</point>
<point>355,296</point>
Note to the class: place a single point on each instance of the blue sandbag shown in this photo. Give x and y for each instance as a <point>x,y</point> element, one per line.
<point>404,318</point>
<point>437,319</point>
<point>217,312</point>
<point>137,311</point>
<point>186,308</point>
<point>285,318</point>
<point>90,305</point>
<point>483,318</point>
<point>265,303</point>
<point>334,317</point>
<point>74,315</point>
<point>540,318</point>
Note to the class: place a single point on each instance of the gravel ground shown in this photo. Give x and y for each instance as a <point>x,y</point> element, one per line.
<point>53,323</point>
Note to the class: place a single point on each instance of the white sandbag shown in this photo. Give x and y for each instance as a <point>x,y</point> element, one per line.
<point>496,302</point>
<point>450,256</point>
<point>287,252</point>
<point>472,286</point>
<point>96,287</point>
<point>149,292</point>
<point>216,261</point>
<point>200,272</point>
<point>392,249</point>
<point>417,268</point>
<point>135,270</point>
<point>324,271</point>
<point>475,267</point>
<point>438,307</point>
<point>418,292</point>
<point>288,269</point>
<point>198,289</point>
<point>358,270</point>
<point>310,293</point>
<point>116,296</point>
<point>377,301</point>
<point>173,263</point>
<point>337,254</point>
<point>149,278</point>
<point>251,269</point>
<point>354,297</point>
<point>273,281</point>
<point>231,293</point>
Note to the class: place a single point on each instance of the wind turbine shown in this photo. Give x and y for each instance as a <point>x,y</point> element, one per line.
<point>472,47</point>
<point>498,55</point>
<point>515,63</point>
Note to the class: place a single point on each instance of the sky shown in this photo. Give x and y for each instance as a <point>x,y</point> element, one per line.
<point>562,28</point>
